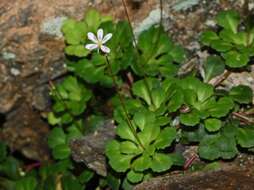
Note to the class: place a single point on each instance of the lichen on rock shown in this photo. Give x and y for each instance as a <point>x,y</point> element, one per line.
<point>53,26</point>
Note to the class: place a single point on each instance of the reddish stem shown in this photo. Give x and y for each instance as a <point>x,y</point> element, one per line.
<point>189,162</point>
<point>32,166</point>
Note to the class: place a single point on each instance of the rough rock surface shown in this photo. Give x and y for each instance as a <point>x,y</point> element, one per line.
<point>230,176</point>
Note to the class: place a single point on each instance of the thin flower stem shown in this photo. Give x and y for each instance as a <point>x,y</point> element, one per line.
<point>136,44</point>
<point>131,126</point>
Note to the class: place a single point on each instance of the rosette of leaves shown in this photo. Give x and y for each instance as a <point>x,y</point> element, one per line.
<point>70,98</point>
<point>139,157</point>
<point>200,103</point>
<point>235,45</point>
<point>158,54</point>
<point>224,143</point>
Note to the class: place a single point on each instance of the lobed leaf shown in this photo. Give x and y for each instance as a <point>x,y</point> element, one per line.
<point>241,94</point>
<point>213,67</point>
<point>134,177</point>
<point>161,162</point>
<point>165,138</point>
<point>212,124</point>
<point>229,19</point>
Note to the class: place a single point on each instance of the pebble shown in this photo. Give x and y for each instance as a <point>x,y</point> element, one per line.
<point>15,71</point>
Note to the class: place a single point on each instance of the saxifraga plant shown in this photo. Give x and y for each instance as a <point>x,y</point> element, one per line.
<point>158,97</point>
<point>158,110</point>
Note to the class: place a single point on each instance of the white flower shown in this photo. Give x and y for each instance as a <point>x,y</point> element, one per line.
<point>99,41</point>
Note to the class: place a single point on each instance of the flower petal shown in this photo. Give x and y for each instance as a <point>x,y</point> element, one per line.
<point>106,38</point>
<point>105,49</point>
<point>91,46</point>
<point>92,37</point>
<point>100,34</point>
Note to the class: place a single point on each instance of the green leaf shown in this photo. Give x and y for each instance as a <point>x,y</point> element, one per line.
<point>74,31</point>
<point>165,138</point>
<point>26,183</point>
<point>73,133</point>
<point>208,37</point>
<point>190,97</point>
<point>221,108</point>
<point>93,19</point>
<point>178,54</point>
<point>124,131</point>
<point>61,151</point>
<point>90,72</point>
<point>213,67</point>
<point>120,162</point>
<point>10,168</point>
<point>85,176</point>
<point>221,46</point>
<point>112,147</point>
<point>239,38</point>
<point>3,151</point>
<point>73,88</point>
<point>134,177</point>
<point>229,19</point>
<point>142,163</point>
<point>143,117</point>
<point>177,159</point>
<point>56,137</point>
<point>241,94</point>
<point>163,120</point>
<point>69,182</point>
<point>245,137</point>
<point>176,100</point>
<point>126,185</point>
<point>149,134</point>
<point>129,147</point>
<point>194,87</point>
<point>161,162</point>
<point>66,118</point>
<point>217,146</point>
<point>139,89</point>
<point>53,169</point>
<point>158,53</point>
<point>52,119</point>
<point>212,124</point>
<point>235,59</point>
<point>113,181</point>
<point>190,119</point>
<point>158,96</point>
<point>76,50</point>
<point>204,91</point>
<point>214,166</point>
<point>194,135</point>
<point>227,147</point>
